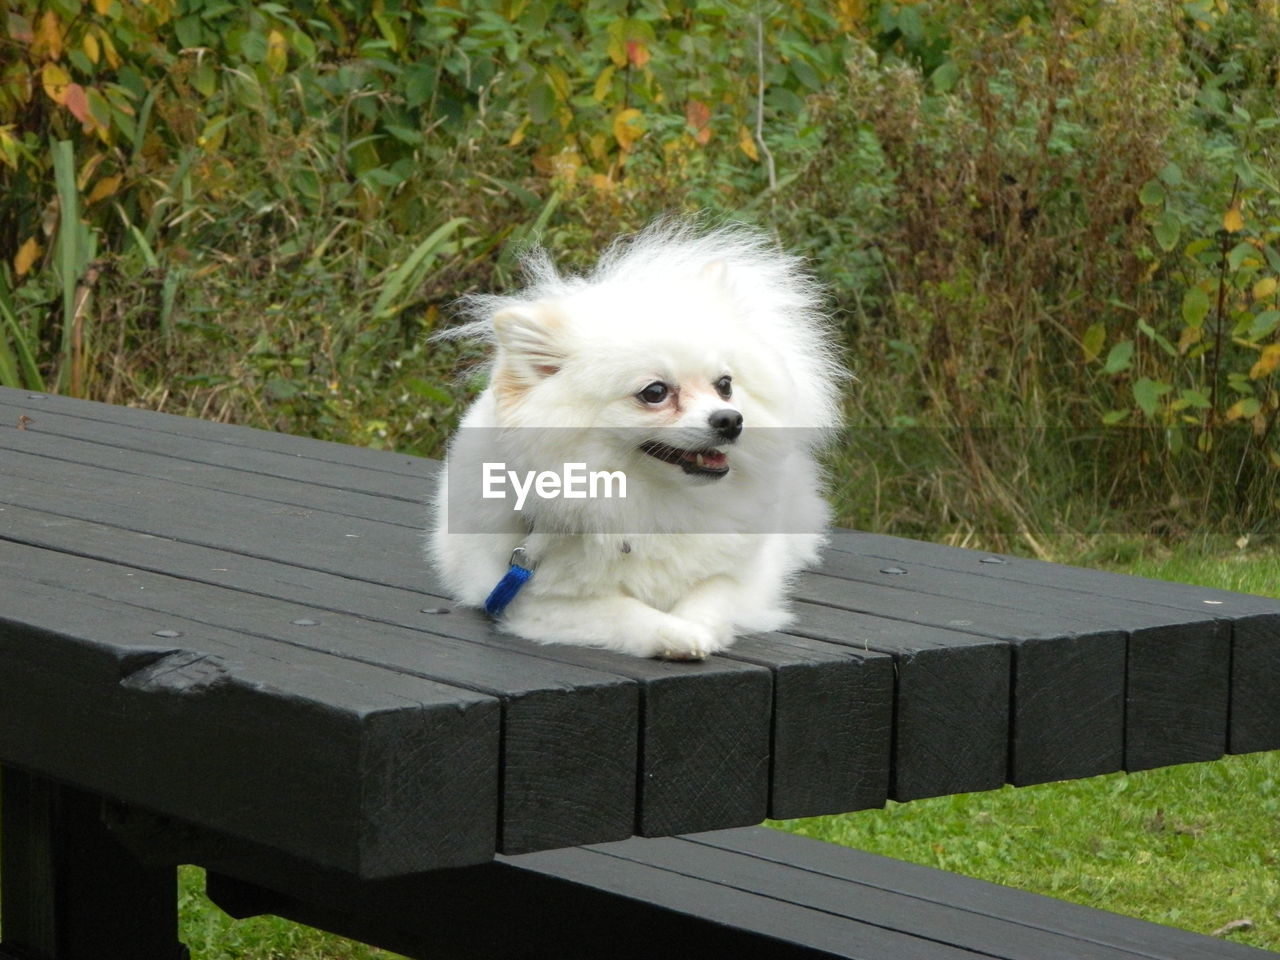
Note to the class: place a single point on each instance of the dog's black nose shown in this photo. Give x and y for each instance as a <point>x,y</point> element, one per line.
<point>727,423</point>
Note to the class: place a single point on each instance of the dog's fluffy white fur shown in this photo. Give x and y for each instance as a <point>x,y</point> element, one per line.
<point>638,366</point>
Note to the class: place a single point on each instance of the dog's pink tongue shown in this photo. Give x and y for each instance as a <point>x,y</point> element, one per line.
<point>714,460</point>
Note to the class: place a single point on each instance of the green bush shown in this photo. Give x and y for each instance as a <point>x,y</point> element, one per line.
<point>258,211</point>
<point>1045,208</point>
<point>1050,232</point>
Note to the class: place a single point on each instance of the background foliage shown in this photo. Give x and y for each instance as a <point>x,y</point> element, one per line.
<point>1050,231</point>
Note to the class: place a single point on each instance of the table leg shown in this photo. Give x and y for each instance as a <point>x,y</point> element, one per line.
<point>68,889</point>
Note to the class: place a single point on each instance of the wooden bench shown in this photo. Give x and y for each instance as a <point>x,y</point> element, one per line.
<point>744,893</point>
<point>221,646</point>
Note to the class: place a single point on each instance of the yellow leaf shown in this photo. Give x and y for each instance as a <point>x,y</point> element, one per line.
<point>47,43</point>
<point>1233,219</point>
<point>598,146</point>
<point>1237,409</point>
<point>1274,456</point>
<point>26,256</point>
<point>850,13</point>
<point>88,169</point>
<point>517,138</point>
<point>102,6</point>
<point>1267,363</point>
<point>566,164</point>
<point>559,81</point>
<point>616,49</point>
<point>92,49</point>
<point>603,83</point>
<point>104,188</point>
<point>1093,340</point>
<point>747,144</point>
<point>1189,337</point>
<point>55,81</point>
<point>1264,288</point>
<point>214,132</point>
<point>8,145</point>
<point>109,48</point>
<point>628,127</point>
<point>277,52</point>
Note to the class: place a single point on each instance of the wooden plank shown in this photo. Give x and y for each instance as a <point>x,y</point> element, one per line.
<point>929,716</point>
<point>996,566</point>
<point>342,762</point>
<point>705,749</point>
<point>704,739</point>
<point>1068,653</point>
<point>832,724</point>
<point>1253,724</point>
<point>1178,664</point>
<point>1255,678</point>
<point>133,446</point>
<point>1057,664</point>
<point>735,893</point>
<point>856,898</point>
<point>1085,925</point>
<point>68,889</point>
<point>1255,621</point>
<point>703,728</point>
<point>555,788</point>
<point>572,904</point>
<point>951,712</point>
<point>190,477</point>
<point>35,406</point>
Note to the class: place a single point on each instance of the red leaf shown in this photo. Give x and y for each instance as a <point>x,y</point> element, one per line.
<point>697,114</point>
<point>76,101</point>
<point>637,52</point>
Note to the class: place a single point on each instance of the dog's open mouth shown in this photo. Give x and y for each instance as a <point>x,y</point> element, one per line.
<point>703,463</point>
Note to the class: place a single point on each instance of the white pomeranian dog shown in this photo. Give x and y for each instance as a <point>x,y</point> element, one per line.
<point>640,472</point>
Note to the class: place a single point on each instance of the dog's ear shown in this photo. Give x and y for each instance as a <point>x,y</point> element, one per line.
<point>528,338</point>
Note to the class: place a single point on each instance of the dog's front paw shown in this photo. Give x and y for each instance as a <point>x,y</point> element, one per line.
<point>684,640</point>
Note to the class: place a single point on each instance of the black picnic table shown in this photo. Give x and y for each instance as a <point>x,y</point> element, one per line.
<point>222,645</point>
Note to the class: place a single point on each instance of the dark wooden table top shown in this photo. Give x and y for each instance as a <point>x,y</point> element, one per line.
<point>236,629</point>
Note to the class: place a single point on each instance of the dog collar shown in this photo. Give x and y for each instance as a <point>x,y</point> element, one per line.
<point>517,575</point>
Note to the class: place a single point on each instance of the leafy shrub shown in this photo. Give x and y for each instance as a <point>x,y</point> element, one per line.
<point>252,189</point>
<point>1050,231</point>
<point>1033,303</point>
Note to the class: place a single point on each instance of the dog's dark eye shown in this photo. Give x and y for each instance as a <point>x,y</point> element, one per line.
<point>724,387</point>
<point>655,392</point>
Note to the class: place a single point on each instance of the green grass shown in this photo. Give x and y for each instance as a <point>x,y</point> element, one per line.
<point>211,935</point>
<point>1196,846</point>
